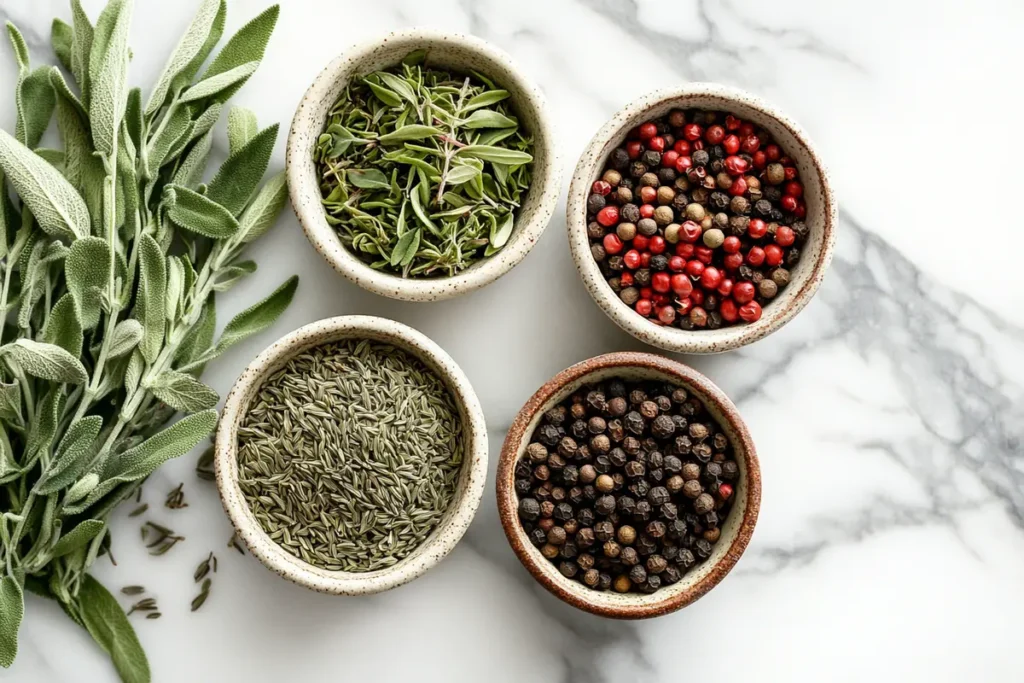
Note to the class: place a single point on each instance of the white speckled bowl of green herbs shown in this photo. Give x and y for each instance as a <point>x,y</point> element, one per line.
<point>446,50</point>
<point>469,488</point>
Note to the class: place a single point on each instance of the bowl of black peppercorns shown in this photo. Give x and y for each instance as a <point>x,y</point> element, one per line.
<point>628,485</point>
<point>701,219</point>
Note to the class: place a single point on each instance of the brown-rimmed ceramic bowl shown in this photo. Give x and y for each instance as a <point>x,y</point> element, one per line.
<point>736,531</point>
<point>822,217</point>
<point>454,51</point>
<point>460,511</point>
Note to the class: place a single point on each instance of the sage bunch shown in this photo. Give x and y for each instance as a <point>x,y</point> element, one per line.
<point>113,249</point>
<point>423,169</point>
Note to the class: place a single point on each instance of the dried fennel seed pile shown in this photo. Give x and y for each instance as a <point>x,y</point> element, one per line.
<point>350,454</point>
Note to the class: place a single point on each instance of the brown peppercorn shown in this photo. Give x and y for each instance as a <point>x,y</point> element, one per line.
<point>595,230</point>
<point>663,215</point>
<point>623,195</point>
<point>537,452</point>
<point>739,206</point>
<point>585,537</point>
<point>617,407</point>
<point>557,535</point>
<point>578,411</point>
<point>611,549</point>
<point>767,288</point>
<point>612,177</point>
<point>549,551</point>
<point>626,231</point>
<point>698,431</point>
<point>629,295</point>
<point>649,180</point>
<point>547,524</point>
<point>604,483</point>
<point>596,425</point>
<point>635,469</point>
<point>629,556</point>
<point>591,577</point>
<point>585,561</point>
<point>541,473</point>
<point>588,474</point>
<point>666,194</point>
<point>547,508</point>
<point>622,584</point>
<point>692,489</point>
<point>598,252</point>
<point>649,409</point>
<point>604,531</point>
<point>780,276</point>
<point>600,444</point>
<point>656,529</point>
<point>616,431</point>
<point>730,470</point>
<point>775,173</point>
<point>704,503</point>
<point>656,564</point>
<point>626,535</point>
<point>571,526</point>
<point>674,484</point>
<point>712,535</point>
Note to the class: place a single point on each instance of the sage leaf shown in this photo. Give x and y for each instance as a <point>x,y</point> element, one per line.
<point>133,119</point>
<point>133,373</point>
<point>127,335</point>
<point>84,32</point>
<point>108,73</point>
<point>494,154</point>
<point>205,121</point>
<point>259,317</point>
<point>499,237</point>
<point>44,427</point>
<point>55,204</point>
<point>199,213</point>
<point>233,274</point>
<point>406,248</point>
<point>20,48</point>
<point>85,531</point>
<point>63,328</point>
<point>87,271</point>
<point>190,172</point>
<point>399,86</point>
<point>200,337</point>
<point>12,609</point>
<point>187,49</point>
<point>45,361</point>
<point>110,628</point>
<point>81,168</point>
<point>176,440</point>
<point>34,101</point>
<point>71,456</point>
<point>485,99</point>
<point>215,84</point>
<point>488,118</point>
<point>10,403</point>
<point>417,209</point>
<point>371,179</point>
<point>239,176</point>
<point>149,307</point>
<point>175,284</point>
<point>242,127</point>
<point>212,38</point>
<point>183,392</point>
<point>174,128</point>
<point>248,45</point>
<point>264,209</point>
<point>386,96</point>
<point>461,174</point>
<point>412,131</point>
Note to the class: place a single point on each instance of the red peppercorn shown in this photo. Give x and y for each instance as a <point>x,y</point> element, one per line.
<point>657,143</point>
<point>725,491</point>
<point>794,189</point>
<point>801,210</point>
<point>732,123</point>
<point>728,310</point>
<point>682,147</point>
<point>612,243</point>
<point>784,236</point>
<point>626,279</point>
<point>790,172</point>
<point>746,130</point>
<point>676,264</point>
<point>645,259</point>
<point>647,211</point>
<point>608,216</point>
<point>692,132</point>
<point>733,261</point>
<point>683,163</point>
<point>657,245</point>
<point>788,203</point>
<point>750,312</point>
<point>731,143</point>
<point>755,256</point>
<point>634,148</point>
<point>667,315</point>
<point>731,244</point>
<point>690,231</point>
<point>694,268</point>
<point>738,187</point>
<point>711,278</point>
<point>724,287</point>
<point>750,144</point>
<point>632,259</point>
<point>661,282</point>
<point>660,299</point>
<point>640,242</point>
<point>773,255</point>
<point>685,304</point>
<point>704,255</point>
<point>697,297</point>
<point>669,159</point>
<point>685,250</point>
<point>760,160</point>
<point>600,187</point>
<point>681,285</point>
<point>735,165</point>
<point>698,144</point>
<point>757,228</point>
<point>647,130</point>
<point>773,152</point>
<point>648,194</point>
<point>644,306</point>
<point>743,292</point>
<point>715,135</point>
<point>646,292</point>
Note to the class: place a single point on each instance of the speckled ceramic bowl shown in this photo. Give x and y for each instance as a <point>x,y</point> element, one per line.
<point>471,481</point>
<point>736,531</point>
<point>450,50</point>
<point>821,217</point>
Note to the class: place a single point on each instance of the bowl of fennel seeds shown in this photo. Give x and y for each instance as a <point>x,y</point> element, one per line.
<point>422,165</point>
<point>351,455</point>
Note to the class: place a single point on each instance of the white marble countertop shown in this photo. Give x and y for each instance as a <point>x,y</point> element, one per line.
<point>888,415</point>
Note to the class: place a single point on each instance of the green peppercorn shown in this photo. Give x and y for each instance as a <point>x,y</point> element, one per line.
<point>664,215</point>
<point>647,226</point>
<point>649,180</point>
<point>672,233</point>
<point>694,211</point>
<point>714,238</point>
<point>666,194</point>
<point>625,231</point>
<point>767,288</point>
<point>612,177</point>
<point>775,173</point>
<point>623,195</point>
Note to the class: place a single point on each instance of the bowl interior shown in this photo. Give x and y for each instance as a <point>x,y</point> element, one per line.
<point>697,581</point>
<point>458,53</point>
<point>467,494</point>
<point>816,251</point>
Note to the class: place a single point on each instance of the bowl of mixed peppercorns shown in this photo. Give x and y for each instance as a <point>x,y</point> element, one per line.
<point>701,219</point>
<point>628,485</point>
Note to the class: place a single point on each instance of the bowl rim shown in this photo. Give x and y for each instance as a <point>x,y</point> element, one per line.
<point>674,338</point>
<point>580,596</point>
<point>545,188</point>
<point>461,511</point>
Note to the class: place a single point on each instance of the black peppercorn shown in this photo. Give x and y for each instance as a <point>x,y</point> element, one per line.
<point>604,531</point>
<point>617,456</point>
<point>656,529</point>
<point>637,169</point>
<point>656,564</point>
<point>529,509</point>
<point>568,569</point>
<point>703,548</point>
<point>651,159</point>
<point>629,213</point>
<point>659,263</point>
<point>538,537</point>
<point>663,427</point>
<point>523,486</point>
<point>666,176</point>
<point>600,444</point>
<point>604,505</point>
<point>619,158</point>
<point>637,574</point>
<point>556,415</point>
<point>557,535</point>
<point>634,469</point>
<point>611,549</point>
<point>652,584</point>
<point>686,560</point>
<point>730,470</point>
<point>669,511</point>
<point>634,422</point>
<point>658,495</point>
<point>701,157</point>
<point>703,503</point>
<point>629,556</point>
<point>563,512</point>
<point>631,445</point>
<point>595,203</point>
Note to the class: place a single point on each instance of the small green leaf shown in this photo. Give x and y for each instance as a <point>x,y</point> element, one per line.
<point>200,337</point>
<point>485,99</point>
<point>187,49</point>
<point>79,490</point>
<point>264,209</point>
<point>488,118</point>
<point>239,176</point>
<point>12,609</point>
<point>35,101</point>
<point>46,361</point>
<point>183,392</point>
<point>176,440</point>
<point>499,237</point>
<point>412,131</point>
<point>215,84</point>
<point>248,45</point>
<point>149,307</point>
<point>417,209</point>
<point>242,127</point>
<point>233,274</point>
<point>259,317</point>
<point>384,95</point>
<point>20,48</point>
<point>207,120</point>
<point>109,626</point>
<point>415,57</point>
<point>399,85</point>
<point>405,250</point>
<point>371,179</point>
<point>72,455</point>
<point>87,270</point>
<point>498,155</point>
<point>174,129</point>
<point>79,536</point>
<point>43,428</point>
<point>190,172</point>
<point>199,213</point>
<point>10,402</point>
<point>63,328</point>
<point>461,174</point>
<point>127,335</point>
<point>84,33</point>
<point>108,73</point>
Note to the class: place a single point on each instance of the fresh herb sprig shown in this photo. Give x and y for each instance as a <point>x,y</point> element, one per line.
<point>111,251</point>
<point>422,170</point>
